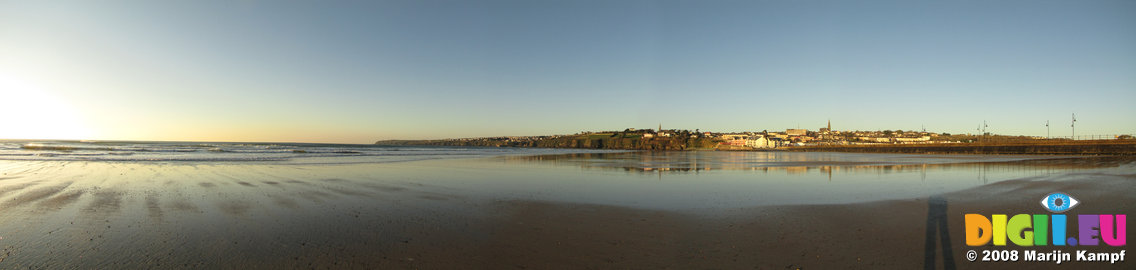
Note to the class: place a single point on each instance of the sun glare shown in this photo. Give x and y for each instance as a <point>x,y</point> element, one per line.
<point>31,112</point>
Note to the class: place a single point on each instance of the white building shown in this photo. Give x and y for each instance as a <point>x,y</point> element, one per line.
<point>759,141</point>
<point>913,140</point>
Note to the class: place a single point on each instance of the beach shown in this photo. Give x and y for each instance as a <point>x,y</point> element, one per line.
<point>637,210</point>
<point>518,134</point>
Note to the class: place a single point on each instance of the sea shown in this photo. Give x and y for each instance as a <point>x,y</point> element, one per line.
<point>291,153</point>
<point>668,180</point>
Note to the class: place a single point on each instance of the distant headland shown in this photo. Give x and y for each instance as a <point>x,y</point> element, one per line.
<point>822,140</point>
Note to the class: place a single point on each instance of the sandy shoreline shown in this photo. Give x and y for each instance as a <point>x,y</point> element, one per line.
<point>127,215</point>
<point>886,234</point>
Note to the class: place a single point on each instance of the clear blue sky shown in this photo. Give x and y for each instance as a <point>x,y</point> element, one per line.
<point>359,71</point>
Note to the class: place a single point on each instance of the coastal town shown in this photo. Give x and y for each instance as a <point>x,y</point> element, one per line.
<point>753,140</point>
<point>824,138</point>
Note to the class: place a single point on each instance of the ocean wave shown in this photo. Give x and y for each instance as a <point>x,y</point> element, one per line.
<point>150,159</point>
<point>34,146</point>
<point>123,148</point>
<point>64,147</point>
<point>172,150</point>
<point>299,151</point>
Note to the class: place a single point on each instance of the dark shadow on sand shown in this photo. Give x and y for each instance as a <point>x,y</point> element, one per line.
<point>937,226</point>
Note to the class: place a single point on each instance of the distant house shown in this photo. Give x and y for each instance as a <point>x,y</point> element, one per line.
<point>796,132</point>
<point>735,142</point>
<point>760,141</point>
<point>731,137</point>
<point>801,139</point>
<point>875,139</point>
<point>913,140</point>
<point>735,139</point>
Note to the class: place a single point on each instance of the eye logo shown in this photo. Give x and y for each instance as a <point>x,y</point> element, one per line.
<point>1058,202</point>
<point>1028,230</point>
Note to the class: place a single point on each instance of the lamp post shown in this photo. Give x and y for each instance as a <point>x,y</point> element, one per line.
<point>1074,126</point>
<point>979,130</point>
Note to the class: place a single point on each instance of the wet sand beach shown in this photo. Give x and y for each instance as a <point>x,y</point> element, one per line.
<point>637,211</point>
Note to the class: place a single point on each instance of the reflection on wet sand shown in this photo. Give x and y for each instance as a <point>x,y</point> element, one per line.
<point>599,209</point>
<point>799,163</point>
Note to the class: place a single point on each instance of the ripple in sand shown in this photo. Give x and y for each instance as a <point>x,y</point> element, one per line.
<point>106,201</point>
<point>336,180</point>
<point>62,200</point>
<point>17,187</point>
<point>285,202</point>
<point>299,182</point>
<point>236,208</point>
<point>348,192</point>
<point>385,188</point>
<point>315,196</point>
<point>184,205</point>
<point>152,206</point>
<point>36,195</point>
